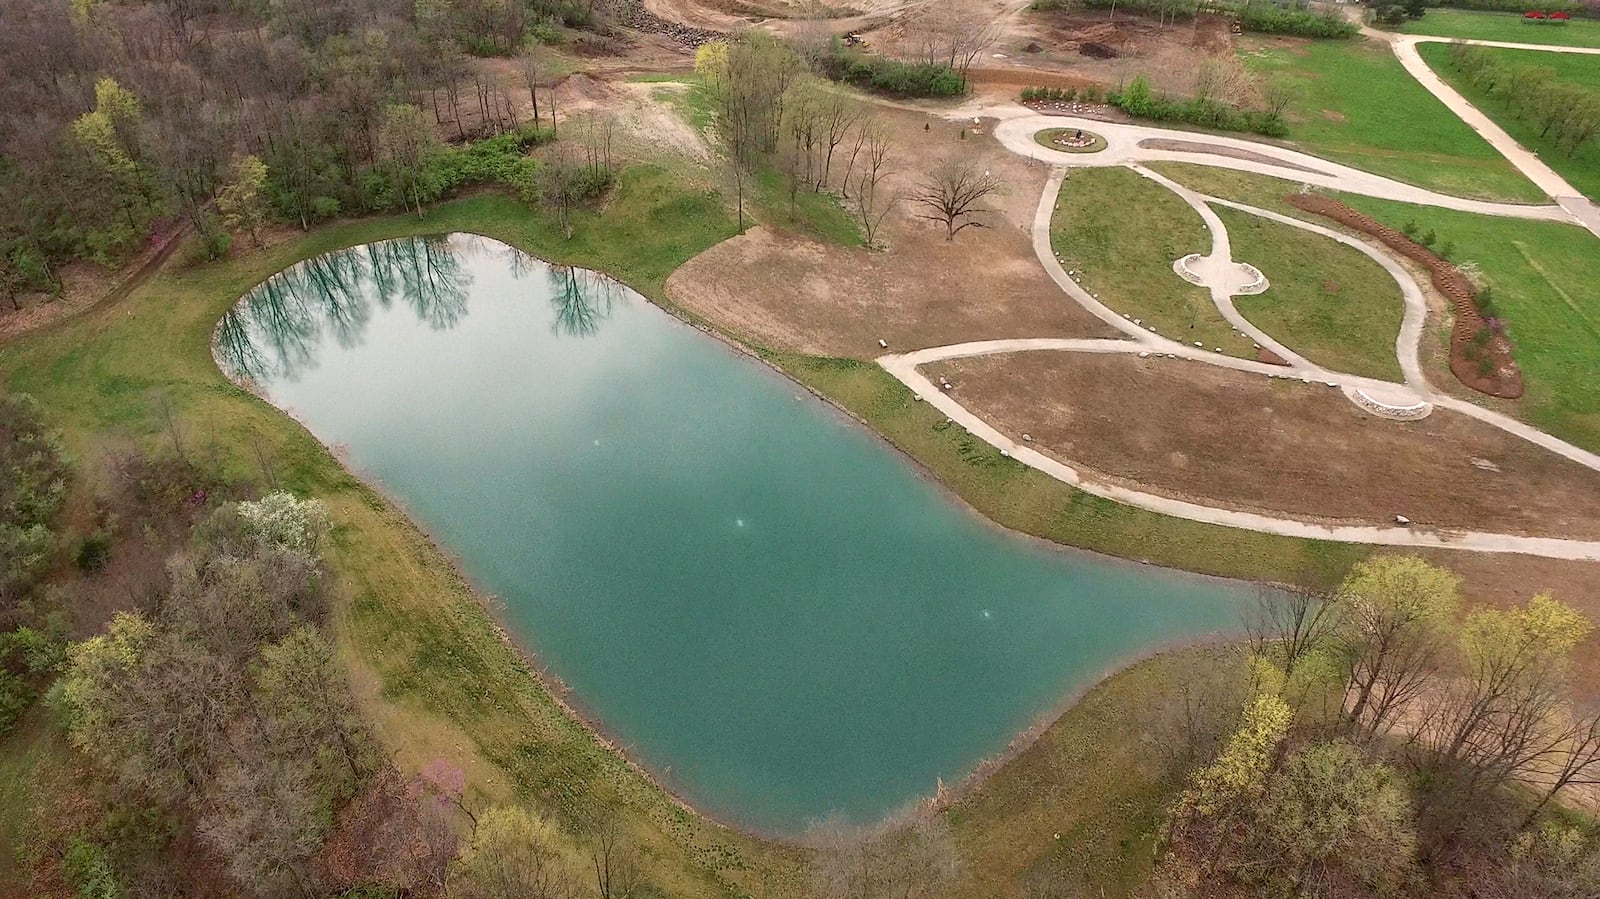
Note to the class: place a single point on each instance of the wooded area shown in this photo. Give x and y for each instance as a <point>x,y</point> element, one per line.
<point>125,121</point>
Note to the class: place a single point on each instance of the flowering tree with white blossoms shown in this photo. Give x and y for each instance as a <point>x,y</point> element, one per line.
<point>283,521</point>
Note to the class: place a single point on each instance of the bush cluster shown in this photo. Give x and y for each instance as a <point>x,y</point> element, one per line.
<point>1261,16</point>
<point>1089,93</point>
<point>889,76</point>
<point>498,160</point>
<point>1517,6</point>
<point>1270,18</point>
<point>1140,100</point>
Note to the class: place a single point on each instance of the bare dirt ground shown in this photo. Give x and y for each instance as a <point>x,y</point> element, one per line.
<point>1245,442</point>
<point>790,292</point>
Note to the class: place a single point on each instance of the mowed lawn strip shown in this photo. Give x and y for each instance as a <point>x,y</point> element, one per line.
<point>1542,274</point>
<point>1357,105</point>
<point>1581,169</point>
<point>1122,231</point>
<point>1503,26</point>
<point>1325,301</point>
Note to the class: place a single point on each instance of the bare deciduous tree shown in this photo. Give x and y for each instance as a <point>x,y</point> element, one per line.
<point>1287,623</point>
<point>873,204</point>
<point>951,197</point>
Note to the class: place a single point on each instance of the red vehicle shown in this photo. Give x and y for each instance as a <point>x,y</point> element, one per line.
<point>1533,15</point>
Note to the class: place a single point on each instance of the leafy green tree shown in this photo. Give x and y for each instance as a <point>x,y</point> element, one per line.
<point>1330,815</point>
<point>33,484</point>
<point>243,200</point>
<point>406,142</point>
<point>1395,628</point>
<point>300,691</point>
<point>1240,771</point>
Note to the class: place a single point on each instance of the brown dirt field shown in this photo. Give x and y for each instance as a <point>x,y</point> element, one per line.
<point>794,293</point>
<point>1242,441</point>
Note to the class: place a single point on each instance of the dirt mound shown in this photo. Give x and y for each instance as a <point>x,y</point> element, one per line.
<point>1097,50</point>
<point>580,89</point>
<point>1480,356</point>
<point>1033,47</point>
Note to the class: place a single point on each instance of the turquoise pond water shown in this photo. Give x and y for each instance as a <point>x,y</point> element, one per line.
<point>767,606</point>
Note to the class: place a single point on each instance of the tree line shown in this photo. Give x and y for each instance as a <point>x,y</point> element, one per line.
<point>1566,113</point>
<point>1391,744</point>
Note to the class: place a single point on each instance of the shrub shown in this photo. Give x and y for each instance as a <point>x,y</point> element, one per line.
<point>1269,18</point>
<point>889,76</point>
<point>1140,100</point>
<point>215,245</point>
<point>282,521</point>
<point>92,552</point>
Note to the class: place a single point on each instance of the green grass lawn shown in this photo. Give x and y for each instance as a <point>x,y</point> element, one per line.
<point>816,214</point>
<point>1358,106</point>
<point>1582,169</point>
<point>1504,26</point>
<point>1123,232</point>
<point>1543,275</point>
<point>1326,301</point>
<point>1094,835</point>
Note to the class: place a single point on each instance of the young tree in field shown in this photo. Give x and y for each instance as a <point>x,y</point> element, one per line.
<point>509,857</point>
<point>406,141</point>
<point>951,197</point>
<point>558,186</point>
<point>528,65</point>
<point>838,115</point>
<point>1397,612</point>
<point>243,201</point>
<point>614,860</point>
<point>749,79</point>
<point>873,201</point>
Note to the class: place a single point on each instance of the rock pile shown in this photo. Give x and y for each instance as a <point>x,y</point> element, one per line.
<point>632,14</point>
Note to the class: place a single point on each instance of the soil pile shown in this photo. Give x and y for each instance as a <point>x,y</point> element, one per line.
<point>1480,356</point>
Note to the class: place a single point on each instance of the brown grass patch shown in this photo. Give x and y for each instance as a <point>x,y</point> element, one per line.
<point>1246,442</point>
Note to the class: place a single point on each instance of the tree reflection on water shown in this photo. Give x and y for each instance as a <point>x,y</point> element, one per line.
<point>277,329</point>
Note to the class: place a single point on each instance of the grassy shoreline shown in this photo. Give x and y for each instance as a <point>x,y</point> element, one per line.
<point>434,672</point>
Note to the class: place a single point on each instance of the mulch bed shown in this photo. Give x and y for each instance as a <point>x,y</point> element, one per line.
<point>1467,349</point>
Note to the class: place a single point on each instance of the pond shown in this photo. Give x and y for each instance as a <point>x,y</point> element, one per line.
<point>769,607</point>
